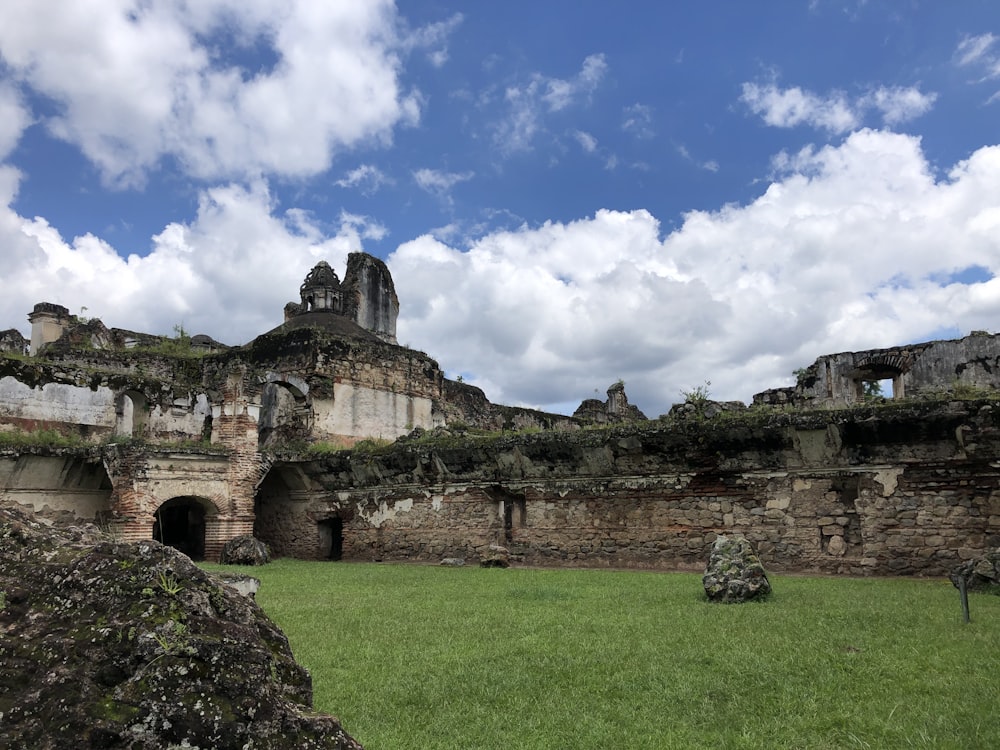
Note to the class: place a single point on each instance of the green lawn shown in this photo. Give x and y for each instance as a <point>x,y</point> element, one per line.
<point>427,657</point>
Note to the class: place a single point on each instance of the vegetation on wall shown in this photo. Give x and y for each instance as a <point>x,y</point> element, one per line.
<point>47,438</point>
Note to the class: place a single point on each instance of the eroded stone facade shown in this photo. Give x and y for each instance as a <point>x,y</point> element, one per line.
<point>926,370</point>
<point>907,491</point>
<point>185,426</point>
<point>195,442</point>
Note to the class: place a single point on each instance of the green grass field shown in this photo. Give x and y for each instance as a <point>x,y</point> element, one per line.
<point>427,657</point>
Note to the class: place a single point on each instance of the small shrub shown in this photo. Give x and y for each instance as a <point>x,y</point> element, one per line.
<point>698,395</point>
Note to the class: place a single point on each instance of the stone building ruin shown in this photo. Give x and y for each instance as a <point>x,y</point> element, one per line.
<point>194,442</point>
<point>925,370</point>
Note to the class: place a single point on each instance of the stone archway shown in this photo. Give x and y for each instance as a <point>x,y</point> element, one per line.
<point>285,411</point>
<point>180,523</point>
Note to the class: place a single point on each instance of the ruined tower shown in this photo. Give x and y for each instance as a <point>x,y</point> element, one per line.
<point>367,295</point>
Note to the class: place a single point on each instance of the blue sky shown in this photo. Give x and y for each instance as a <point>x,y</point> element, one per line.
<point>567,193</point>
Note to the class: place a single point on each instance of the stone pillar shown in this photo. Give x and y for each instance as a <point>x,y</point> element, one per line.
<point>48,321</point>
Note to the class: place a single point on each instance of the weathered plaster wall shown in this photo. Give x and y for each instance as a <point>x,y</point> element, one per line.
<point>183,418</point>
<point>57,403</point>
<point>356,411</point>
<point>57,486</point>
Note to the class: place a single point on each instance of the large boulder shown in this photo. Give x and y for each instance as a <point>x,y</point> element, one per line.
<point>495,556</point>
<point>980,573</point>
<point>734,572</point>
<point>130,645</point>
<point>244,550</point>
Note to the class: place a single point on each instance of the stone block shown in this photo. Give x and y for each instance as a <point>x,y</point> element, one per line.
<point>778,503</point>
<point>836,546</point>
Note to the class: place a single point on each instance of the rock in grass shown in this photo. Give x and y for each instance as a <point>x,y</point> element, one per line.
<point>495,557</point>
<point>244,550</point>
<point>453,562</point>
<point>734,573</point>
<point>980,573</point>
<point>130,645</point>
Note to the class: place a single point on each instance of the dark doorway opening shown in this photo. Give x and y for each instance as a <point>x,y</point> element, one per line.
<point>331,539</point>
<point>180,523</point>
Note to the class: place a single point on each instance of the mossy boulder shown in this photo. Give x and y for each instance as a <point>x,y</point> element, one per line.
<point>734,572</point>
<point>106,644</point>
<point>245,550</point>
<point>981,573</point>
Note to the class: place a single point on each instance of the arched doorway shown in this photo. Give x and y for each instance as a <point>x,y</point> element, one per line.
<point>180,523</point>
<point>285,413</point>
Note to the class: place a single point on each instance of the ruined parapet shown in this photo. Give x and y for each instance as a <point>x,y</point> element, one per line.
<point>48,322</point>
<point>370,295</point>
<point>929,369</point>
<point>615,409</point>
<point>11,341</point>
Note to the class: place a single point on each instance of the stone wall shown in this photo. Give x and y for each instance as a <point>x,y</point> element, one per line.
<point>924,370</point>
<point>890,491</point>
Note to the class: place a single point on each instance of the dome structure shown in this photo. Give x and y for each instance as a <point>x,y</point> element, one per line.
<point>321,292</point>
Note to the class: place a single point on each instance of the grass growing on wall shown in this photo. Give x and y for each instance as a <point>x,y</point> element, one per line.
<point>422,656</point>
<point>14,439</point>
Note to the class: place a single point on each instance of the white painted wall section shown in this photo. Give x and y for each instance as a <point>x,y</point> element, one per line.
<point>57,402</point>
<point>365,412</point>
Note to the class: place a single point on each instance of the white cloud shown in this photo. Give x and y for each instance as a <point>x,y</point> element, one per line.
<point>790,107</point>
<point>587,142</point>
<point>980,54</point>
<point>440,183</point>
<point>637,120</point>
<point>529,103</point>
<point>834,112</point>
<point>227,273</point>
<point>975,49</point>
<point>559,93</point>
<point>434,38</point>
<point>367,179</point>
<point>845,250</point>
<point>709,166</point>
<point>14,118</point>
<point>133,84</point>
<point>898,104</point>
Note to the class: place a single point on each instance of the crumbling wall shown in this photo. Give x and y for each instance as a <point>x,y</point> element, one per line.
<point>930,369</point>
<point>92,411</point>
<point>370,295</point>
<point>58,485</point>
<point>13,342</point>
<point>615,409</point>
<point>878,491</point>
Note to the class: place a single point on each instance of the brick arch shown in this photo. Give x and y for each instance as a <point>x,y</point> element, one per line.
<point>221,484</point>
<point>181,522</point>
<point>895,363</point>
